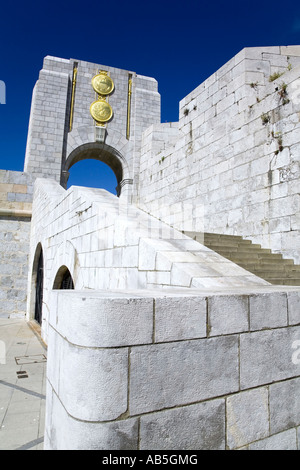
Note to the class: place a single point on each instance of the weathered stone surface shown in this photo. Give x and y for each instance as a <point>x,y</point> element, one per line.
<point>227,314</point>
<point>14,247</point>
<point>247,417</point>
<point>293,308</point>
<point>63,432</point>
<point>266,356</point>
<point>268,310</point>
<point>283,441</point>
<point>179,318</point>
<point>92,383</point>
<point>175,374</point>
<point>284,405</point>
<point>102,319</point>
<point>195,427</point>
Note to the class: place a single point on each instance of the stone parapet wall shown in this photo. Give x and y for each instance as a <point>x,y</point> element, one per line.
<point>16,192</point>
<point>237,153</point>
<point>174,371</point>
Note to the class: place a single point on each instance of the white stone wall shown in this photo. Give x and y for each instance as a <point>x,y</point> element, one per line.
<point>173,371</point>
<point>236,156</point>
<point>47,123</point>
<point>108,244</point>
<point>16,190</point>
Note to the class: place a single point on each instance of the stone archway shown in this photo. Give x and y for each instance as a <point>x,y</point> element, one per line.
<point>104,153</point>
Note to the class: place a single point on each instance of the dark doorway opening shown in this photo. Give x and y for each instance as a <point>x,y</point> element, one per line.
<point>39,290</point>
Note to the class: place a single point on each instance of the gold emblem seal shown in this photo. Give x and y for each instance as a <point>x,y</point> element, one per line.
<point>102,84</point>
<point>101,111</point>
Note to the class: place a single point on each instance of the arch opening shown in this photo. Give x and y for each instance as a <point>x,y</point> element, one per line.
<point>63,279</point>
<point>37,285</point>
<point>96,151</point>
<point>93,174</point>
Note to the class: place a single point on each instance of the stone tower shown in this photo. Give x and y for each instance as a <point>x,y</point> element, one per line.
<point>83,110</point>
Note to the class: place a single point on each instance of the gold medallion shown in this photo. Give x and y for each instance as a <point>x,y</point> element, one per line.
<point>102,84</point>
<point>101,111</point>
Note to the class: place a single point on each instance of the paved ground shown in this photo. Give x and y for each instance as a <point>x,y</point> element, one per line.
<point>22,386</point>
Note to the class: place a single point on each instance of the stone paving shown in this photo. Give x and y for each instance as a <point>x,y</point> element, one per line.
<point>22,386</point>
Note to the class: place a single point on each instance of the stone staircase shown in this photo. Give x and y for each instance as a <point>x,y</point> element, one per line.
<point>269,266</point>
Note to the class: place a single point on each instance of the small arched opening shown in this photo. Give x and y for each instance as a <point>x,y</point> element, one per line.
<point>63,279</point>
<point>97,151</point>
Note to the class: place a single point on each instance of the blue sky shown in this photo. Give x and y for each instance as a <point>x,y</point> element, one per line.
<point>180,43</point>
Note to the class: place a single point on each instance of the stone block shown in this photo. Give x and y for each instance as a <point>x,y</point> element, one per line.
<point>290,50</point>
<point>266,356</point>
<point>179,318</point>
<point>268,310</point>
<point>183,273</point>
<point>64,432</point>
<point>195,427</point>
<point>102,320</point>
<point>293,299</point>
<point>165,259</point>
<point>285,405</point>
<point>147,252</point>
<point>282,224</point>
<point>91,383</point>
<point>174,374</point>
<point>16,294</point>
<point>227,314</point>
<point>247,417</point>
<point>283,441</point>
<point>158,277</point>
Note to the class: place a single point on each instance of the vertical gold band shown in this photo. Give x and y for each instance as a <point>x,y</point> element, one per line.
<point>73,96</point>
<point>129,106</point>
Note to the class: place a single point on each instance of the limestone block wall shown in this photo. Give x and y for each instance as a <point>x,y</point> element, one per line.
<point>16,190</point>
<point>107,244</point>
<point>236,156</point>
<point>47,124</point>
<point>173,371</point>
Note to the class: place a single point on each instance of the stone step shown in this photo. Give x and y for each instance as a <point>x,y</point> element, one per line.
<point>291,268</point>
<point>257,260</point>
<point>270,257</point>
<point>224,237</point>
<point>233,245</point>
<point>208,236</point>
<point>284,282</point>
<point>261,261</point>
<point>275,273</point>
<point>239,249</point>
<point>226,240</point>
